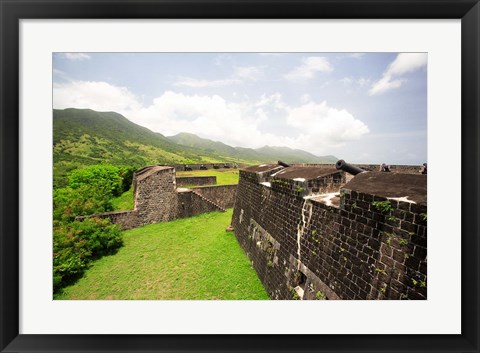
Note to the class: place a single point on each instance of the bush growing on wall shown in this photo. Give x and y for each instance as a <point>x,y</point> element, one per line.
<point>76,243</point>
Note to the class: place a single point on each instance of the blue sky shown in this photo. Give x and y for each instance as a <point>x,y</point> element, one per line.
<point>362,107</point>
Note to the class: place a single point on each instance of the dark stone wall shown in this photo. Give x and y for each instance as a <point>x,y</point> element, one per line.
<point>353,251</point>
<point>190,204</point>
<point>196,181</point>
<point>406,169</point>
<point>222,195</point>
<point>181,167</point>
<point>156,197</point>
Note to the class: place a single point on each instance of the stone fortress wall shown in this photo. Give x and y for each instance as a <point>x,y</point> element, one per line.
<point>158,199</point>
<point>394,168</point>
<point>196,180</point>
<point>187,167</point>
<point>311,236</point>
<point>310,231</point>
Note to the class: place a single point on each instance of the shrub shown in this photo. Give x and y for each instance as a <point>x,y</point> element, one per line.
<point>90,190</point>
<point>126,173</point>
<point>85,200</point>
<point>76,243</point>
<point>104,178</point>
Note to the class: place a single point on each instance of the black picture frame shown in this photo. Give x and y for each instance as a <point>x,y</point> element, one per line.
<point>12,11</point>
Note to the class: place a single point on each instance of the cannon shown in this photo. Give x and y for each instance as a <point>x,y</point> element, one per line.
<point>216,166</point>
<point>226,166</point>
<point>283,164</point>
<point>186,168</point>
<point>384,168</point>
<point>341,164</point>
<point>423,169</point>
<point>202,167</point>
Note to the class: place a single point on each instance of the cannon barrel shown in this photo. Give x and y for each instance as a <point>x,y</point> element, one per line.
<point>283,164</point>
<point>341,164</point>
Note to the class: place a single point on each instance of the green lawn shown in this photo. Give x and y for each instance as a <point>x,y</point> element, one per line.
<point>124,201</point>
<point>190,258</point>
<point>224,177</point>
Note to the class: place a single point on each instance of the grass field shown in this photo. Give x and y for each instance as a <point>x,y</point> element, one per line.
<point>190,258</point>
<point>124,201</point>
<point>224,177</point>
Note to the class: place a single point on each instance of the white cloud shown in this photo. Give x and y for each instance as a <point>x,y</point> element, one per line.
<point>222,59</point>
<point>404,63</point>
<point>386,83</point>
<point>315,127</point>
<point>212,117</point>
<point>346,80</point>
<point>60,74</point>
<point>76,56</point>
<point>100,96</point>
<point>273,101</point>
<point>196,83</point>
<point>354,55</point>
<point>305,98</point>
<point>309,67</point>
<point>271,54</point>
<point>362,81</point>
<point>350,81</point>
<point>251,73</point>
<point>407,62</point>
<point>240,75</point>
<point>322,125</point>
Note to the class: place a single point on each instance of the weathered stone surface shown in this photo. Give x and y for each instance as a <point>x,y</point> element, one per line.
<point>222,195</point>
<point>353,250</point>
<point>196,180</point>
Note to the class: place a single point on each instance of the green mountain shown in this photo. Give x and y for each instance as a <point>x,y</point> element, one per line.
<point>209,146</point>
<point>262,155</point>
<point>290,155</point>
<point>84,137</point>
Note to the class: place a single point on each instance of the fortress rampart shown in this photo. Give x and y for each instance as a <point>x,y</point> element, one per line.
<point>196,181</point>
<point>158,199</point>
<point>311,236</point>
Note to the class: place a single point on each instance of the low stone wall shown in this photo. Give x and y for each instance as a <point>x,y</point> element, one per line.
<point>222,195</point>
<point>182,167</point>
<point>125,219</point>
<point>186,203</point>
<point>406,169</point>
<point>191,204</point>
<point>196,181</point>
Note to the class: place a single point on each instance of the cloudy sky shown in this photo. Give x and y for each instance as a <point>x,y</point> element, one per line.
<point>362,107</point>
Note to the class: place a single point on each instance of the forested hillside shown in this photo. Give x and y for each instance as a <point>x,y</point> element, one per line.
<point>83,137</point>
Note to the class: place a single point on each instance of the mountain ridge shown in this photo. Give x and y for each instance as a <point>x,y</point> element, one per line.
<point>84,137</point>
<point>262,154</point>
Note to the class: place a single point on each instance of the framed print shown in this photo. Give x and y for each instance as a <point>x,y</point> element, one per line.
<point>237,176</point>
